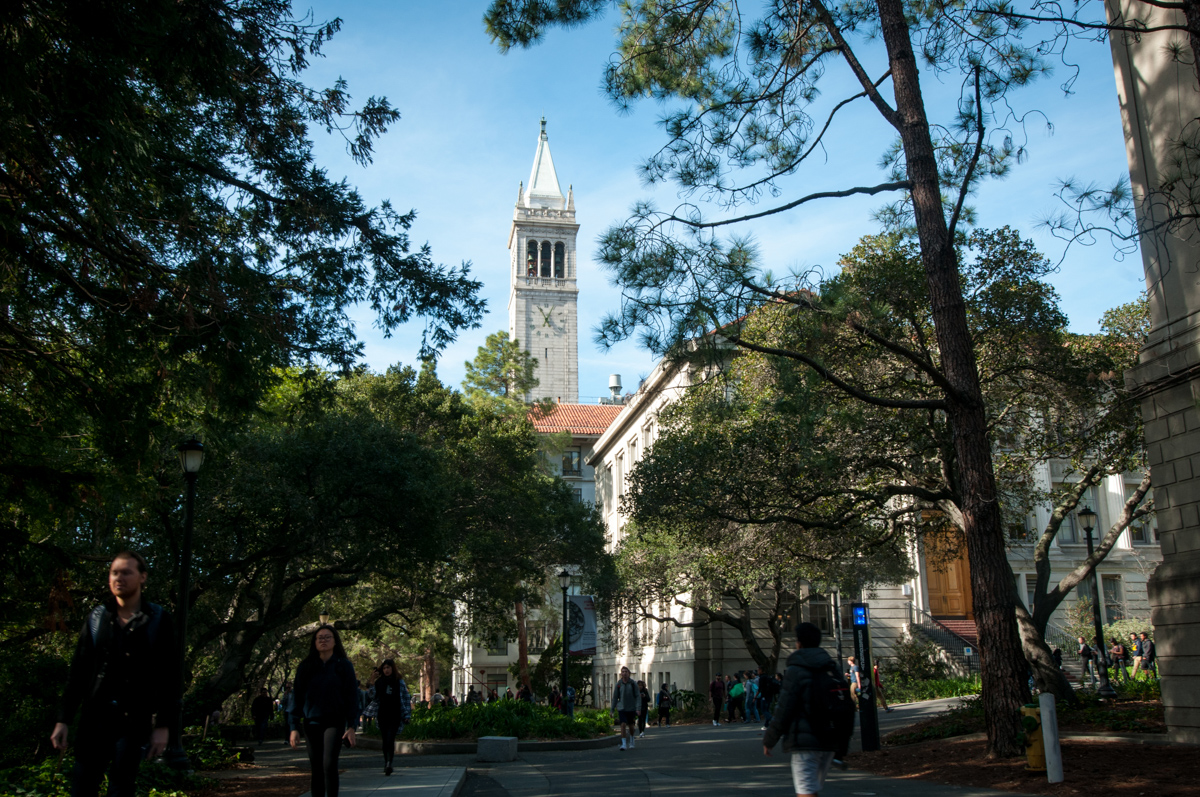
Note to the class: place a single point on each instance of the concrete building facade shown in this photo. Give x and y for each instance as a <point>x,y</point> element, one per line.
<point>1160,108</point>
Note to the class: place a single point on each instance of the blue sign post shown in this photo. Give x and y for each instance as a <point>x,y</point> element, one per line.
<point>868,717</point>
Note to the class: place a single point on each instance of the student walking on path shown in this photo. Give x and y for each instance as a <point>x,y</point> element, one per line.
<point>644,711</point>
<point>261,711</point>
<point>716,691</point>
<point>626,704</point>
<point>812,750</point>
<point>124,675</point>
<point>1149,656</point>
<point>326,707</point>
<point>664,706</point>
<point>395,709</point>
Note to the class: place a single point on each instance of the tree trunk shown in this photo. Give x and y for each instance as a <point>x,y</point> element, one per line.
<point>522,646</point>
<point>1001,659</point>
<point>429,680</point>
<point>1047,677</point>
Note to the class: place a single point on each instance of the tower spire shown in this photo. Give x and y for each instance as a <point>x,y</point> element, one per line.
<point>544,191</point>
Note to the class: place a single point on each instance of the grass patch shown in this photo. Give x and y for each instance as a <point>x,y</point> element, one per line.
<point>51,778</point>
<point>916,691</point>
<point>1090,716</point>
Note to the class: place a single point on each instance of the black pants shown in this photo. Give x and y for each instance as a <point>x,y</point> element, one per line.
<point>716,711</point>
<point>324,745</point>
<point>102,746</point>
<point>735,705</point>
<point>664,713</point>
<point>642,719</point>
<point>260,730</point>
<point>388,728</point>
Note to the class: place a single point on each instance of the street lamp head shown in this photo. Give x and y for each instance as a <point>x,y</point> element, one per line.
<point>1087,517</point>
<point>324,616</point>
<point>564,579</point>
<point>191,455</point>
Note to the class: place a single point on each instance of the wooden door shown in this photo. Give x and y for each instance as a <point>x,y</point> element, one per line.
<point>949,576</point>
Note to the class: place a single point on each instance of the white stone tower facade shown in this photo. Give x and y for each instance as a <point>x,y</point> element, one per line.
<point>543,299</point>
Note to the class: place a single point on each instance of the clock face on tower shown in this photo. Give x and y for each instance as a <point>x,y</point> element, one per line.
<point>546,316</point>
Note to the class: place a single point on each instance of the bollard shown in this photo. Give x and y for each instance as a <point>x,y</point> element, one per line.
<point>1054,768</point>
<point>1035,754</point>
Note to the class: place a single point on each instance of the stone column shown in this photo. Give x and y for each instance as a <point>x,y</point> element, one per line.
<point>1160,104</point>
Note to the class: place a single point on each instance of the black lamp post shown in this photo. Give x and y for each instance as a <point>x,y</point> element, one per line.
<point>564,581</point>
<point>1088,518</point>
<point>323,617</point>
<point>191,457</point>
<point>837,626</point>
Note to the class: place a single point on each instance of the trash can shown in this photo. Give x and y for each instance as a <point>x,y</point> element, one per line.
<point>1031,724</point>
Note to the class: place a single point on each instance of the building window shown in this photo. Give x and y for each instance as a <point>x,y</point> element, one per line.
<point>560,260</point>
<point>572,462</point>
<point>536,637</point>
<point>578,493</point>
<point>620,475</point>
<point>1071,531</point>
<point>647,435</point>
<point>1030,591</point>
<point>497,681</point>
<point>497,647</point>
<point>633,452</point>
<point>545,259</point>
<point>1114,606</point>
<point>531,253</point>
<point>1144,530</point>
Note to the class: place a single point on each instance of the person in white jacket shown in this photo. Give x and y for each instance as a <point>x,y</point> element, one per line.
<point>627,705</point>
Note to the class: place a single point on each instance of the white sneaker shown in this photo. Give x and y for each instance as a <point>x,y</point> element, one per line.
<point>622,745</point>
<point>642,734</point>
<point>631,743</point>
<point>714,723</point>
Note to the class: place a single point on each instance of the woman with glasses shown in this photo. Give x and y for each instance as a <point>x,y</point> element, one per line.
<point>326,707</point>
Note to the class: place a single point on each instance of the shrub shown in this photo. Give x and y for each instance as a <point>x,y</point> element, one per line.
<point>210,752</point>
<point>51,778</point>
<point>913,659</point>
<point>33,681</point>
<point>913,691</point>
<point>505,718</point>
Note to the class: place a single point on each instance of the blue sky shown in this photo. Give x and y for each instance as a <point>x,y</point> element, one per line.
<point>469,126</point>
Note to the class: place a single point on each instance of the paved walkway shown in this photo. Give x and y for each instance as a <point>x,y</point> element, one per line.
<point>682,761</point>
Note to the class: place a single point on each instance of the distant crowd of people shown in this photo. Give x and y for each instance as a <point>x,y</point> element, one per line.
<point>1140,653</point>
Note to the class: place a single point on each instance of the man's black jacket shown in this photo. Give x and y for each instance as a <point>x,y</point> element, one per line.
<point>125,674</point>
<point>790,721</point>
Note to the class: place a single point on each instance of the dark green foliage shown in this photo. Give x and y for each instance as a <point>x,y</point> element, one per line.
<point>168,245</point>
<point>51,778</point>
<point>914,659</point>
<point>505,718</point>
<point>211,751</point>
<point>30,687</point>
<point>547,674</point>
<point>930,689</point>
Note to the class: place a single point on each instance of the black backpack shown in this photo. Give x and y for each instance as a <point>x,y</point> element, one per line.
<point>830,707</point>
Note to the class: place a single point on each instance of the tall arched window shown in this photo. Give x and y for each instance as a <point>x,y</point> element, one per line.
<point>531,253</point>
<point>560,260</point>
<point>545,258</point>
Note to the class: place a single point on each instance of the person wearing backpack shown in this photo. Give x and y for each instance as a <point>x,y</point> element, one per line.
<point>125,677</point>
<point>737,698</point>
<point>664,706</point>
<point>811,713</point>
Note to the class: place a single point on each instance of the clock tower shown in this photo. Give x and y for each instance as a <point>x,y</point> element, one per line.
<point>543,295</point>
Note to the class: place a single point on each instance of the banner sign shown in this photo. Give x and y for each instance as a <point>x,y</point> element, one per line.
<point>581,625</point>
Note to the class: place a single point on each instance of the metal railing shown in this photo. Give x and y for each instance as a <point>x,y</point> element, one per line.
<point>933,630</point>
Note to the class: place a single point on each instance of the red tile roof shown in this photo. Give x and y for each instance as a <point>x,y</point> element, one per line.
<point>577,418</point>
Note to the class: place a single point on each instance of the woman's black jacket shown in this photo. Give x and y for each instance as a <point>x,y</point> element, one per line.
<point>325,691</point>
